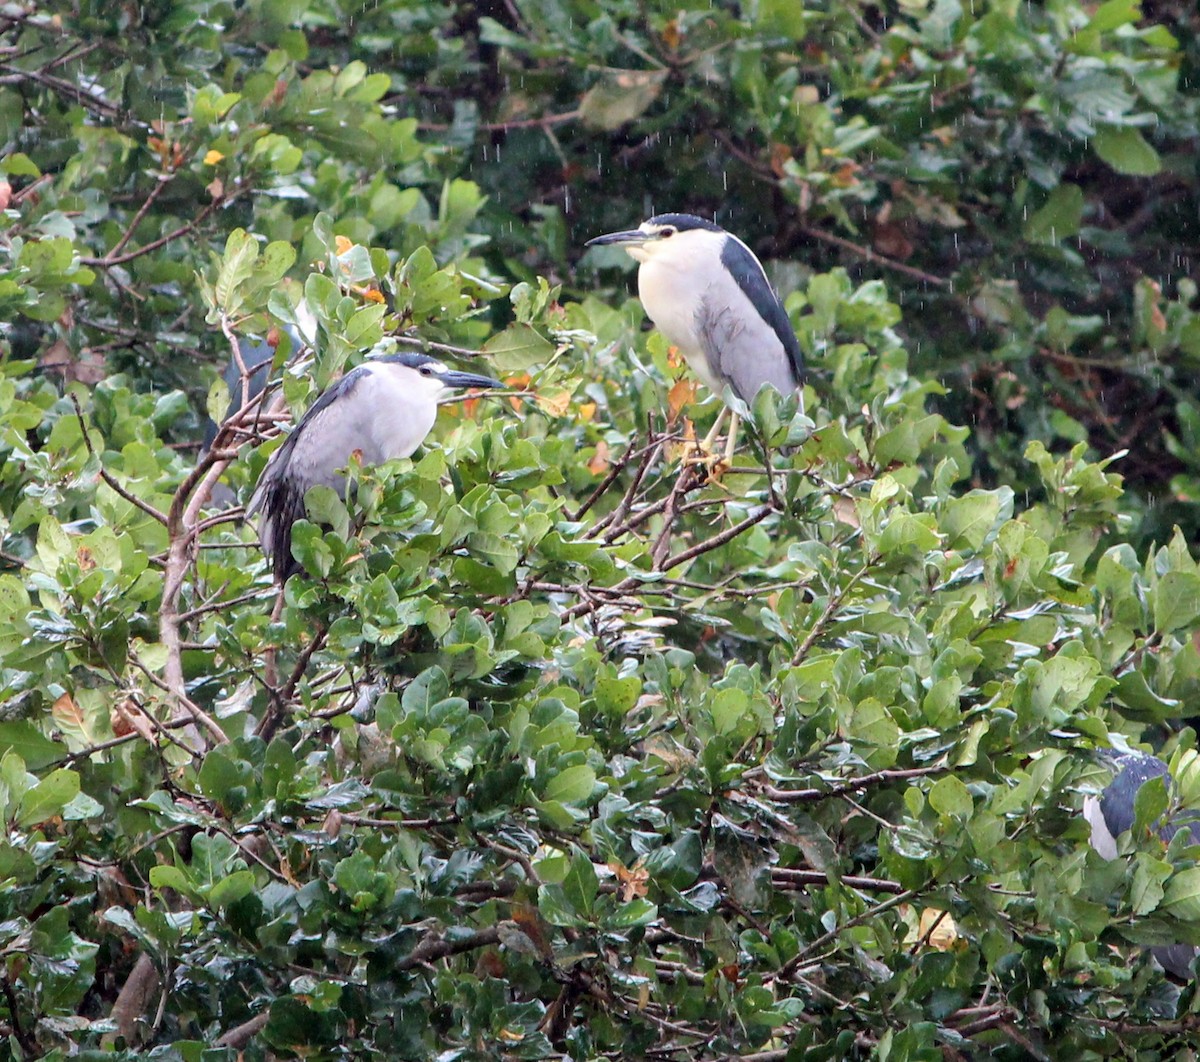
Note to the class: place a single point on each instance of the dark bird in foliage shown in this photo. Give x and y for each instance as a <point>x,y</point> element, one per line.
<point>1112,813</point>
<point>379,411</point>
<point>257,357</point>
<point>705,290</point>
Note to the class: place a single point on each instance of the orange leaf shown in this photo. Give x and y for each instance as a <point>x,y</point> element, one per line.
<point>66,712</point>
<point>674,358</point>
<point>342,244</point>
<point>518,382</point>
<point>781,154</point>
<point>372,295</point>
<point>682,392</point>
<point>599,462</point>
<point>86,561</point>
<point>631,881</point>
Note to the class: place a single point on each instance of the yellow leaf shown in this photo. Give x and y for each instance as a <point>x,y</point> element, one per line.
<point>212,157</point>
<point>343,244</point>
<point>556,403</point>
<point>939,928</point>
<point>586,411</point>
<point>371,295</point>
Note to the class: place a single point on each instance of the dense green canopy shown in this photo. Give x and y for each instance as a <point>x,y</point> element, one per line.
<point>560,749</point>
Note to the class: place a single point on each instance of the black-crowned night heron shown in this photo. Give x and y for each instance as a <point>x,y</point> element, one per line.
<point>1112,813</point>
<point>379,411</point>
<point>708,294</point>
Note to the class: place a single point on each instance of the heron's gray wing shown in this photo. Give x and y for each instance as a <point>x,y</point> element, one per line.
<point>1117,800</point>
<point>744,331</point>
<point>747,270</point>
<point>311,455</point>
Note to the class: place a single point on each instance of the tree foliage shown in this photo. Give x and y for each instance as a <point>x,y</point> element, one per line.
<point>559,748</point>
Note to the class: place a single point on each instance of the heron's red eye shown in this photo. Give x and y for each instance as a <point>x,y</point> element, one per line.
<point>667,232</point>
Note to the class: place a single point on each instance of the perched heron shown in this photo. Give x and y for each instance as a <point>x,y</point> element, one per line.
<point>381,410</point>
<point>1112,813</point>
<point>708,294</point>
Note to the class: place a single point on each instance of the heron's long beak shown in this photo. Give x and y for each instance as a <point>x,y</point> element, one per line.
<point>628,237</point>
<point>458,381</point>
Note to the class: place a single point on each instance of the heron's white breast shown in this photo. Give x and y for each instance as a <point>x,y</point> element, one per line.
<point>672,282</point>
<point>394,412</point>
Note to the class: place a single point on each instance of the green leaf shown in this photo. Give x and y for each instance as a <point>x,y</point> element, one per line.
<point>572,786</point>
<point>1126,151</point>
<point>1182,896</point>
<point>580,885</point>
<point>951,798</point>
<point>620,97</point>
<point>1058,218</point>
<point>430,687</point>
<point>1150,803</point>
<point>48,798</point>
<point>1115,13</point>
<point>18,164</point>
<point>1176,601</point>
<point>1148,890</point>
<point>968,520</point>
<point>231,888</point>
<point>28,742</point>
<point>517,348</point>
<point>616,696</point>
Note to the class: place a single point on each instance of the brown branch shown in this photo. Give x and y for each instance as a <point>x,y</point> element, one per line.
<point>687,479</point>
<point>783,877</point>
<point>240,1035</point>
<point>280,697</point>
<point>67,88</point>
<point>797,960</point>
<point>135,995</point>
<point>868,255</point>
<point>618,467</point>
<point>831,606</point>
<point>433,947</point>
<point>161,182</point>
<point>653,447</point>
<point>728,535</point>
<point>519,123</point>
<point>105,475</point>
<point>23,1036</point>
<point>851,785</point>
<point>120,259</point>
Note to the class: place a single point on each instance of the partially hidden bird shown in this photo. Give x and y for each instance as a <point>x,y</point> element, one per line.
<point>709,295</point>
<point>1113,812</point>
<point>381,410</point>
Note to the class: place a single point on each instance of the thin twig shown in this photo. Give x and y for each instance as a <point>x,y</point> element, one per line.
<point>868,255</point>
<point>851,785</point>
